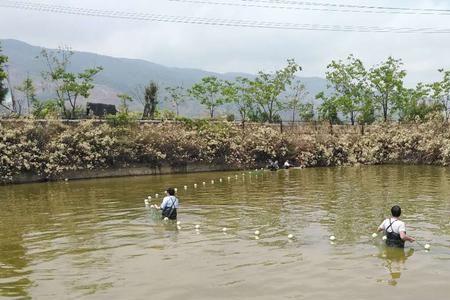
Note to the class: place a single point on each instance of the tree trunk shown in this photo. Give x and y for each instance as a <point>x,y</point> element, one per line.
<point>152,109</point>
<point>146,112</point>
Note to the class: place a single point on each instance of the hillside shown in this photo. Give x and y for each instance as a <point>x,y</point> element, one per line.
<point>119,75</point>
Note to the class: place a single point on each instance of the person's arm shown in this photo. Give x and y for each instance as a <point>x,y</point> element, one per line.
<point>406,237</point>
<point>163,203</point>
<point>381,227</point>
<point>403,235</point>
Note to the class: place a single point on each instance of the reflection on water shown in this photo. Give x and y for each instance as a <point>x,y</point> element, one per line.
<point>394,260</point>
<point>96,240</point>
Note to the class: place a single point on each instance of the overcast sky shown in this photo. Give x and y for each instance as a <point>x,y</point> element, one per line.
<point>223,49</point>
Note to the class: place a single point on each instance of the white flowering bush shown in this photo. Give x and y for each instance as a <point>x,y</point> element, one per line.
<point>50,149</point>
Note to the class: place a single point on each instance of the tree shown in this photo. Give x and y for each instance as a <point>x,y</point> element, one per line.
<point>124,99</point>
<point>441,92</point>
<point>209,93</point>
<point>239,93</point>
<point>328,110</point>
<point>306,111</point>
<point>150,100</point>
<point>414,103</point>
<point>268,87</point>
<point>348,80</point>
<point>3,77</point>
<point>386,81</point>
<point>295,100</point>
<point>177,96</point>
<point>68,86</point>
<point>45,109</point>
<point>29,92</point>
<point>366,111</point>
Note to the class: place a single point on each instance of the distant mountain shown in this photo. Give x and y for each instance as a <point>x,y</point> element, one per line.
<point>119,75</point>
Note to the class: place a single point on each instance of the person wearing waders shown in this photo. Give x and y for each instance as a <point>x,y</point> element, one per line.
<point>395,229</point>
<point>169,205</point>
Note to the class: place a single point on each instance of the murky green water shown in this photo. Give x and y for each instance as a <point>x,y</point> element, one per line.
<point>96,240</point>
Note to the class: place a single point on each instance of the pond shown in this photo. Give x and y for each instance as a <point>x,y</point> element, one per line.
<point>95,239</point>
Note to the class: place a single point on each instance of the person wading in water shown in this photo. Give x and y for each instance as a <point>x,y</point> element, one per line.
<point>169,205</point>
<point>395,229</point>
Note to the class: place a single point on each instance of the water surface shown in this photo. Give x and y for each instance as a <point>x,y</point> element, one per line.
<point>95,239</point>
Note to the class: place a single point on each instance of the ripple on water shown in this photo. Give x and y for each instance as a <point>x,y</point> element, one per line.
<point>100,242</point>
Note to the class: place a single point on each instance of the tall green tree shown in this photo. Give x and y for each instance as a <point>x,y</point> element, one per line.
<point>239,92</point>
<point>386,81</point>
<point>69,86</point>
<point>348,80</point>
<point>267,89</point>
<point>150,100</point>
<point>440,92</point>
<point>209,93</point>
<point>3,77</point>
<point>176,96</point>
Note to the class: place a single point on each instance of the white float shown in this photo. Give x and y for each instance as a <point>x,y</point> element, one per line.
<point>175,189</point>
<point>197,226</point>
<point>156,195</point>
<point>178,222</point>
<point>427,246</point>
<point>290,236</point>
<point>166,219</point>
<point>257,232</point>
<point>374,235</point>
<point>384,237</point>
<point>204,183</point>
<point>224,229</point>
<point>332,238</point>
<point>195,185</point>
<point>212,181</point>
<point>220,179</point>
<point>185,187</point>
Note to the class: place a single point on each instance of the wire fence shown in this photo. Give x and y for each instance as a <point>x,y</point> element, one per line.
<point>294,128</point>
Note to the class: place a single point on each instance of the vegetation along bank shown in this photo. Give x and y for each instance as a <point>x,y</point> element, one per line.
<point>52,149</point>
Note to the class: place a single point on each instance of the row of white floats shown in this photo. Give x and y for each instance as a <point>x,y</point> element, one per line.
<point>257,232</point>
